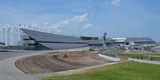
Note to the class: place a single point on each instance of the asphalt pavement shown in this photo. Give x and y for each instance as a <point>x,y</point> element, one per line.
<point>8,70</point>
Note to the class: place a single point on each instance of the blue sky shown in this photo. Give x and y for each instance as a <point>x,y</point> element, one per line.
<point>119,18</point>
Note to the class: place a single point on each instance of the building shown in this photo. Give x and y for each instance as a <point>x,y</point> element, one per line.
<point>40,40</point>
<point>36,40</point>
<point>2,43</point>
<point>134,42</point>
<point>141,40</point>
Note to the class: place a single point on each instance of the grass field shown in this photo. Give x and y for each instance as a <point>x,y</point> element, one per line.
<point>154,56</point>
<point>121,71</point>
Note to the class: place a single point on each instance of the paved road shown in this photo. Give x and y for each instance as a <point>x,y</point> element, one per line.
<point>5,55</point>
<point>8,70</point>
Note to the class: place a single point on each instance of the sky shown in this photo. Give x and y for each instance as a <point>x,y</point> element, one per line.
<point>119,18</point>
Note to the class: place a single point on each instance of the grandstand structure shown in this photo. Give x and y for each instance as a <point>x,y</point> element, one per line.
<point>134,42</point>
<point>141,40</point>
<point>41,40</point>
<point>37,40</point>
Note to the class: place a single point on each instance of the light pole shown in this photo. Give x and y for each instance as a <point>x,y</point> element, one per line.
<point>16,36</point>
<point>4,35</point>
<point>19,32</point>
<point>104,38</point>
<point>8,38</point>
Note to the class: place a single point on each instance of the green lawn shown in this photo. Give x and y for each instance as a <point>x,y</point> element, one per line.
<point>154,56</point>
<point>121,71</point>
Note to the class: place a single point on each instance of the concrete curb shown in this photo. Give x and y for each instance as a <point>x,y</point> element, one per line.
<point>144,61</point>
<point>110,58</point>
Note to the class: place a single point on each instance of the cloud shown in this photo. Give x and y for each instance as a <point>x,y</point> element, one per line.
<point>116,3</point>
<point>87,27</point>
<point>34,24</point>
<point>65,23</point>
<point>74,20</point>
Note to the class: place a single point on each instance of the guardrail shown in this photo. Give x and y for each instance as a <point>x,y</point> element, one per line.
<point>108,57</point>
<point>144,61</point>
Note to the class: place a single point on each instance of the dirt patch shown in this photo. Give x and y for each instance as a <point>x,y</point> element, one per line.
<point>46,63</point>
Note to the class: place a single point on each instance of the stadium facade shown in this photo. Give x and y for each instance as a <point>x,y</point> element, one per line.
<point>41,40</point>
<point>36,40</point>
